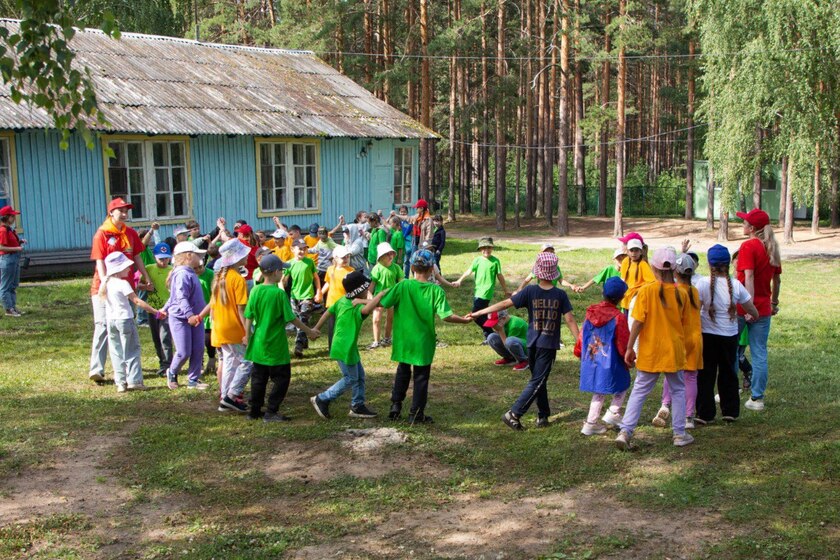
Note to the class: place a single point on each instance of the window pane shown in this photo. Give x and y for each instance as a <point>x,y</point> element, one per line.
<point>178,203</point>
<point>176,151</point>
<point>265,154</point>
<point>310,154</point>
<point>310,176</point>
<point>162,180</point>
<point>4,153</point>
<point>279,178</point>
<point>160,154</point>
<point>135,154</point>
<point>177,179</point>
<point>299,197</point>
<point>162,204</point>
<point>265,199</point>
<point>139,210</point>
<point>297,154</point>
<point>407,157</point>
<point>5,191</point>
<point>279,154</point>
<point>119,154</point>
<point>397,175</point>
<point>310,198</point>
<point>135,181</point>
<point>266,175</point>
<point>280,198</point>
<point>299,176</point>
<point>118,179</point>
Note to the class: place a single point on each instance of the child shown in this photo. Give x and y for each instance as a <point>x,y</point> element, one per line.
<point>720,294</point>
<point>227,307</point>
<point>438,237</point>
<point>185,309</point>
<point>161,336</point>
<point>547,248</point>
<point>743,341</point>
<point>487,269</point>
<point>377,236</point>
<point>610,271</point>
<point>123,340</point>
<point>306,290</point>
<point>268,310</point>
<point>384,276</point>
<point>436,277</point>
<point>397,240</point>
<point>685,267</point>
<point>261,252</point>
<point>660,317</point>
<point>602,369</point>
<point>323,251</point>
<point>508,339</point>
<point>546,304</point>
<point>281,249</point>
<point>333,287</point>
<point>347,315</point>
<point>205,278</point>
<point>181,234</point>
<point>415,303</point>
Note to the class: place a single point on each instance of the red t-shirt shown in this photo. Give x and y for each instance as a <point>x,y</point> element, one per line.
<point>251,263</point>
<point>105,243</point>
<point>753,256</point>
<point>8,238</point>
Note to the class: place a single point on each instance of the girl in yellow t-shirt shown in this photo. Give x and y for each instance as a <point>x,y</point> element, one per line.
<point>333,288</point>
<point>660,314</point>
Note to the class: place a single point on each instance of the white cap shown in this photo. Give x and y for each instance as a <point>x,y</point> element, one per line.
<point>383,249</point>
<point>186,247</point>
<point>340,252</point>
<point>116,262</point>
<point>279,234</point>
<point>546,246</point>
<point>634,244</point>
<point>619,252</point>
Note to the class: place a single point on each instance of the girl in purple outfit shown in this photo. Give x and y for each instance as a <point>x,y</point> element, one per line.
<point>185,305</point>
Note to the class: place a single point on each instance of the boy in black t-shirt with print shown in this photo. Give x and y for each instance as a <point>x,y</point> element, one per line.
<point>546,306</point>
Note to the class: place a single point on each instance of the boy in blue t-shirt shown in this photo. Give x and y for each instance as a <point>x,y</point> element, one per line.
<point>546,306</point>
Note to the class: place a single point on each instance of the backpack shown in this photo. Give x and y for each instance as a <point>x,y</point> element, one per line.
<point>602,369</point>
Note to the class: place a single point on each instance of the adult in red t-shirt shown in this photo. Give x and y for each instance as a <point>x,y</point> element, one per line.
<point>113,235</point>
<point>759,270</point>
<point>11,247</point>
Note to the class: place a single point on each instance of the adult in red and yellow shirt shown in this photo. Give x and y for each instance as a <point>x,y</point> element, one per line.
<point>11,247</point>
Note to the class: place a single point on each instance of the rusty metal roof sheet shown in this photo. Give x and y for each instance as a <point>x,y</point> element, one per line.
<point>164,85</point>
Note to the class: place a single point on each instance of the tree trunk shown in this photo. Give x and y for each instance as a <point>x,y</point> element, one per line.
<point>603,156</point>
<point>563,110</point>
<point>453,101</point>
<point>756,194</point>
<point>580,147</point>
<point>783,193</point>
<point>618,225</point>
<point>501,150</point>
<point>689,147</point>
<point>411,87</point>
<point>543,209</point>
<point>530,161</point>
<point>788,236</point>
<point>723,232</point>
<point>835,184</point>
<point>815,217</point>
<point>710,198</point>
<point>425,96</point>
<point>387,48</point>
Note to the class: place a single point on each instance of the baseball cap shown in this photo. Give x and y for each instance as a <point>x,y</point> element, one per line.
<point>245,229</point>
<point>664,258</point>
<point>718,255</point>
<point>546,247</point>
<point>635,244</point>
<point>162,251</point>
<point>272,263</point>
<point>187,247</point>
<point>181,231</point>
<point>756,217</point>
<point>615,288</point>
<point>619,253</point>
<point>685,264</point>
<point>421,204</point>
<point>9,211</point>
<point>423,258</point>
<point>313,228</point>
<point>118,203</point>
<point>355,284</point>
<point>340,252</point>
<point>631,235</point>
<point>493,318</point>
<point>279,234</point>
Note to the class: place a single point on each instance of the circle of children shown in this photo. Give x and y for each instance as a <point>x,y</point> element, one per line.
<point>237,294</point>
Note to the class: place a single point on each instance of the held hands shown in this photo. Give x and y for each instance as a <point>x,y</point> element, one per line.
<point>194,320</point>
<point>313,334</point>
<point>161,315</point>
<point>456,284</point>
<point>630,357</point>
<point>317,298</point>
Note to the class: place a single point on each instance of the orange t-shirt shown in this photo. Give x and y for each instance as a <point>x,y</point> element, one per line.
<point>334,278</point>
<point>635,275</point>
<point>662,339</point>
<point>228,327</point>
<point>693,331</point>
<point>283,252</point>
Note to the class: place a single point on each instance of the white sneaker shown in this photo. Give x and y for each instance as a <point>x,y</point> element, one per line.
<point>717,398</point>
<point>594,429</point>
<point>661,418</point>
<point>754,404</point>
<point>623,440</point>
<point>96,377</point>
<point>683,440</point>
<point>611,418</point>
<point>122,388</point>
<point>689,423</point>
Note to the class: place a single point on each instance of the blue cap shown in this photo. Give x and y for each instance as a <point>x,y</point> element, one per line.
<point>614,288</point>
<point>423,258</point>
<point>718,255</point>
<point>162,251</point>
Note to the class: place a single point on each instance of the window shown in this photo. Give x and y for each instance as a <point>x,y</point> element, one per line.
<point>151,175</point>
<point>6,189</point>
<point>403,172</point>
<point>288,176</point>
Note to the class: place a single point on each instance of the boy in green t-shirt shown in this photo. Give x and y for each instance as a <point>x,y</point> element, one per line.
<point>161,335</point>
<point>266,314</point>
<point>415,302</point>
<point>377,236</point>
<point>306,290</point>
<point>487,270</point>
<point>397,239</point>
<point>383,276</point>
<point>349,314</point>
<point>508,339</point>
<point>606,273</point>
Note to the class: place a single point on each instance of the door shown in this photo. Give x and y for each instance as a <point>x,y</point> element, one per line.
<point>382,189</point>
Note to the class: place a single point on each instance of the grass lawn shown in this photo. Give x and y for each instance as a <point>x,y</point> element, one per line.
<point>88,473</point>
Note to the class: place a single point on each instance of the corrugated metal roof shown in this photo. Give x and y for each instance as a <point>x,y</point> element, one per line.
<point>165,85</point>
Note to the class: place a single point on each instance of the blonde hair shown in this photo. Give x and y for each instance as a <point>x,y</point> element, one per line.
<point>715,272</point>
<point>768,239</point>
<point>685,280</point>
<point>181,259</point>
<point>219,287</point>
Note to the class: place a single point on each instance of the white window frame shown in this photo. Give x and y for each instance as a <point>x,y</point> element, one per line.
<point>149,191</point>
<point>10,191</point>
<point>291,203</point>
<point>405,190</point>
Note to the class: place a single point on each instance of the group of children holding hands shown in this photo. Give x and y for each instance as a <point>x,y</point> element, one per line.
<point>657,315</point>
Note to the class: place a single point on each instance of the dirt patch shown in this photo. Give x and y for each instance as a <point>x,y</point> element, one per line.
<point>472,527</point>
<point>372,439</point>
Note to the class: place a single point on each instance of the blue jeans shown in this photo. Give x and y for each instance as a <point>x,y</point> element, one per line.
<point>758,332</point>
<point>9,279</point>
<point>353,377</point>
<point>409,249</point>
<point>510,349</point>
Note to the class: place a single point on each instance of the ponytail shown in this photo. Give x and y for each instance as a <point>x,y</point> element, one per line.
<point>666,276</point>
<point>771,246</point>
<point>685,279</point>
<point>219,289</point>
<point>721,270</point>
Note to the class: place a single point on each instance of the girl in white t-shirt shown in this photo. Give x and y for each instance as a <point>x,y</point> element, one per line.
<point>719,295</point>
<point>123,340</point>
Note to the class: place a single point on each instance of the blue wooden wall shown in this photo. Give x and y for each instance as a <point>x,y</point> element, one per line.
<point>62,193</point>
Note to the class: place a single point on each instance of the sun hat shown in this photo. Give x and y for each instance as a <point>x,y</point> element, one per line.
<point>313,228</point>
<point>546,267</point>
<point>493,318</point>
<point>718,255</point>
<point>631,235</point>
<point>635,244</point>
<point>383,249</point>
<point>246,230</point>
<point>118,203</point>
<point>546,247</point>
<point>485,242</point>
<point>421,204</point>
<point>615,288</point>
<point>162,251</point>
<point>756,217</point>
<point>116,262</point>
<point>619,253</point>
<point>355,284</point>
<point>664,258</point>
<point>340,252</point>
<point>181,231</point>
<point>8,211</point>
<point>272,263</point>
<point>279,234</point>
<point>423,258</point>
<point>232,252</point>
<point>187,247</point>
<point>685,264</point>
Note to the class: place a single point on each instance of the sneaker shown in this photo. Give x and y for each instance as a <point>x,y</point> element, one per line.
<point>484,342</point>
<point>122,388</point>
<point>503,362</point>
<point>13,313</point>
<point>683,440</point>
<point>172,384</point>
<point>162,371</point>
<point>689,423</point>
<point>611,418</point>
<point>361,411</point>
<point>374,345</point>
<point>198,385</point>
<point>233,404</point>
<point>394,413</point>
<point>298,352</point>
<point>271,417</point>
<point>729,419</point>
<point>521,366</point>
<point>18,311</point>
<point>661,418</point>
<point>754,404</point>
<point>541,422</point>
<point>511,420</point>
<point>623,440</point>
<point>419,418</point>
<point>223,409</point>
<point>702,422</point>
<point>96,377</point>
<point>321,407</point>
<point>136,387</point>
<point>385,342</point>
<point>594,429</point>
<point>441,345</point>
<point>717,398</point>
<point>291,327</point>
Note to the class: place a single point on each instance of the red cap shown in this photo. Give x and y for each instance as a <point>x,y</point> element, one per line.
<point>8,211</point>
<point>421,204</point>
<point>245,230</point>
<point>118,203</point>
<point>756,217</point>
<point>492,320</point>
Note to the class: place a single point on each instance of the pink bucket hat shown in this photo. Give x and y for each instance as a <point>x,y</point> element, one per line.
<point>546,266</point>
